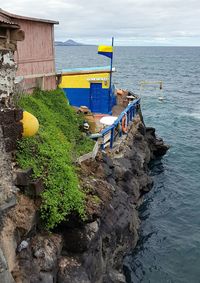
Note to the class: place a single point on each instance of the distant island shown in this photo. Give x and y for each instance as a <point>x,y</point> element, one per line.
<point>71,42</point>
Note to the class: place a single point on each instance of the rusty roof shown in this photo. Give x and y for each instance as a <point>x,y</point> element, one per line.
<point>13,17</point>
<point>7,21</point>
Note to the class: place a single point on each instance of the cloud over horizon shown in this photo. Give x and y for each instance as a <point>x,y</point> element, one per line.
<point>132,22</point>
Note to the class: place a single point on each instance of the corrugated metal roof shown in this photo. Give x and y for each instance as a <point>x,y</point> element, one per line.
<point>6,20</point>
<point>13,16</point>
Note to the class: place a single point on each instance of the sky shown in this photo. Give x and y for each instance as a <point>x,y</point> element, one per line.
<point>131,22</point>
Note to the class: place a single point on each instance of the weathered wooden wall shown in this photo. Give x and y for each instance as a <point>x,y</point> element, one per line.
<point>35,55</point>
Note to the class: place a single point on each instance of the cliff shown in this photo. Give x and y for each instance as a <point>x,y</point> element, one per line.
<point>88,251</point>
<point>119,179</point>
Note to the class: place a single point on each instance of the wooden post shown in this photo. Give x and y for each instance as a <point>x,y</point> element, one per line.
<point>8,36</point>
<point>43,81</point>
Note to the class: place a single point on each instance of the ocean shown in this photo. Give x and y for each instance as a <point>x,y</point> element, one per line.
<point>169,247</point>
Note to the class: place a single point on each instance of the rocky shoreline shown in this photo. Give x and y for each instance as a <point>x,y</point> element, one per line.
<point>90,252</point>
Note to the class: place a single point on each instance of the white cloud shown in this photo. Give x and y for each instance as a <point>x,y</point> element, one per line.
<point>164,21</point>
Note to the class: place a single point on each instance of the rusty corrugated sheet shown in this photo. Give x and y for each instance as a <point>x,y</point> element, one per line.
<point>6,20</point>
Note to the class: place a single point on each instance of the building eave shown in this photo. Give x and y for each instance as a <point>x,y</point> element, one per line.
<point>7,25</point>
<point>13,16</point>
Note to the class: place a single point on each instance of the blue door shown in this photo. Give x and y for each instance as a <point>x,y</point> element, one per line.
<point>96,97</point>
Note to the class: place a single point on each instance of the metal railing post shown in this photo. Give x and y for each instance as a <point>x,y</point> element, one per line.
<point>102,143</point>
<point>130,112</point>
<point>112,137</point>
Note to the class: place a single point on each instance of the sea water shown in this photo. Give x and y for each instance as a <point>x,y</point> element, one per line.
<point>169,245</point>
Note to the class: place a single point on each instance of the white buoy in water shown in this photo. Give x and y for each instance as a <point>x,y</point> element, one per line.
<point>161,98</point>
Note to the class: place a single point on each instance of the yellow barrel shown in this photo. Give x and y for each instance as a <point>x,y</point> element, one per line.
<point>30,124</point>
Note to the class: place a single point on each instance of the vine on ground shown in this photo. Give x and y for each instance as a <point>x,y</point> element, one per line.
<point>51,154</point>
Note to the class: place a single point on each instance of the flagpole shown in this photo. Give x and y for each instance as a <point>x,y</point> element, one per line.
<point>111,64</point>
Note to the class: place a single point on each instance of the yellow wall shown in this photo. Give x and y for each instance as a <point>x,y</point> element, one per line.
<point>83,80</point>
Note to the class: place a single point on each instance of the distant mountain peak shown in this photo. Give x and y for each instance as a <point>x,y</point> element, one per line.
<point>68,42</point>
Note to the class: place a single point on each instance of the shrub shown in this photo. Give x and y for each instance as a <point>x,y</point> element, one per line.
<point>51,154</point>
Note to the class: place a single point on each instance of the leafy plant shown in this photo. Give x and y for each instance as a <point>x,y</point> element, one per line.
<point>51,154</point>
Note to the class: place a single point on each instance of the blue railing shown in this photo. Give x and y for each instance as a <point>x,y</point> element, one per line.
<point>126,116</point>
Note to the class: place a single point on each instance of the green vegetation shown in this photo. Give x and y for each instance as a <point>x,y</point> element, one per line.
<point>51,154</point>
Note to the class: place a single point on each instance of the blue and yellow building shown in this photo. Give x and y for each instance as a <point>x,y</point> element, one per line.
<point>89,87</point>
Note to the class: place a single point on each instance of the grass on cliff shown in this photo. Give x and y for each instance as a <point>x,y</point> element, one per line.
<point>51,154</point>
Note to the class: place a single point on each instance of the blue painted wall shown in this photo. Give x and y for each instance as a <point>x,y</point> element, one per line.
<point>82,97</point>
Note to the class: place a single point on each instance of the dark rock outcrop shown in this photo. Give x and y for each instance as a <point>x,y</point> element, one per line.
<point>93,251</point>
<point>122,176</point>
